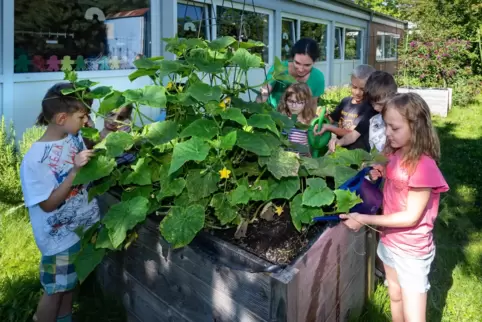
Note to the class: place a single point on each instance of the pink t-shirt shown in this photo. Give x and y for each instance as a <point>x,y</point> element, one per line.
<point>417,240</point>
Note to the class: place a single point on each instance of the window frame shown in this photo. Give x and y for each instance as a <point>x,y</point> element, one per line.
<point>344,27</point>
<point>295,30</point>
<point>383,35</point>
<point>207,6</point>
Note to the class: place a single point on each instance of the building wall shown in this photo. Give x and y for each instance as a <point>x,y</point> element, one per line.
<point>389,65</point>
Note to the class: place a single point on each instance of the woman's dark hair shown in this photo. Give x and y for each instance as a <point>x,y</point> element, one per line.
<point>55,102</point>
<point>306,46</point>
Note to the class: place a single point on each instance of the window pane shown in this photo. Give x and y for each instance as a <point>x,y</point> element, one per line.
<point>388,46</point>
<point>63,35</point>
<point>192,21</point>
<point>353,44</point>
<point>338,42</point>
<point>244,25</point>
<point>316,31</point>
<point>393,47</point>
<point>288,38</point>
<point>379,47</point>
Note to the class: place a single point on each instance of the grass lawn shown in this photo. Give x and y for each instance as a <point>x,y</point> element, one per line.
<point>456,279</point>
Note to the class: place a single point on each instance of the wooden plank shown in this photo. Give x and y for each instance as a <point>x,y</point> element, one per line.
<point>284,288</point>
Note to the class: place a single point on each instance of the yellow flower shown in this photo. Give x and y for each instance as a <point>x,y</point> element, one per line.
<point>222,105</point>
<point>224,173</point>
<point>227,100</point>
<point>170,86</point>
<point>180,88</point>
<point>278,210</point>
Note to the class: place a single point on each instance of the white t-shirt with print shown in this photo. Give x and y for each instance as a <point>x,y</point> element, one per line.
<point>377,137</point>
<point>44,167</point>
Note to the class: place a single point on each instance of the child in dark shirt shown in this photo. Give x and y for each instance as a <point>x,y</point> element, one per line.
<point>351,118</point>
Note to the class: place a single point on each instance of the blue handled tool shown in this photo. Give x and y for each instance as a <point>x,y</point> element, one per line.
<point>327,218</point>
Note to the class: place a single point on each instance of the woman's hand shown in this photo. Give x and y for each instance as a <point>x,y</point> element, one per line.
<point>377,172</point>
<point>266,90</point>
<point>352,221</point>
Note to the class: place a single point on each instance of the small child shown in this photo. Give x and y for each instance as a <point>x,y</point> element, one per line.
<point>297,100</point>
<point>56,207</point>
<point>353,114</point>
<point>118,120</point>
<point>411,196</point>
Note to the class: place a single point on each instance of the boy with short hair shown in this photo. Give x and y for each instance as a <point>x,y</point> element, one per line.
<point>351,117</point>
<point>379,88</point>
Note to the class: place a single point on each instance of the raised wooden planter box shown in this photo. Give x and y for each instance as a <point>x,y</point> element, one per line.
<point>195,283</point>
<point>438,99</point>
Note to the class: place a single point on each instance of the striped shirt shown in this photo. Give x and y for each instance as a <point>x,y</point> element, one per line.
<point>300,137</point>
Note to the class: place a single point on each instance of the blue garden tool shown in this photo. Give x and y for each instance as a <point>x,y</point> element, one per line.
<point>368,192</point>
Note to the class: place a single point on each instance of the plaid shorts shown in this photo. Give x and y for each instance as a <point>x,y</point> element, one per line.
<point>57,272</point>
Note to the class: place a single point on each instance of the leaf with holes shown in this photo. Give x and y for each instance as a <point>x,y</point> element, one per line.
<point>194,149</point>
<point>263,121</point>
<point>161,132</point>
<point>182,224</point>
<point>201,128</point>
<point>317,194</point>
<point>124,216</point>
<point>98,167</point>
<point>345,200</point>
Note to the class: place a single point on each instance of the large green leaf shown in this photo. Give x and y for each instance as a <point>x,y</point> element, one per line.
<point>282,164</point>
<point>118,142</point>
<point>101,188</point>
<point>145,63</point>
<point>161,132</point>
<point>282,120</point>
<point>253,143</point>
<point>142,72</point>
<point>228,141</point>
<point>195,149</point>
<point>250,44</point>
<point>204,93</point>
<point>150,95</point>
<point>260,190</point>
<point>141,173</point>
<point>247,168</point>
<point>221,43</point>
<point>124,216</point>
<point>342,174</point>
<point>98,167</point>
<point>99,92</point>
<point>181,225</point>
<point>240,195</point>
<point>245,60</point>
<point>350,157</point>
<point>223,209</point>
<point>263,121</point>
<point>317,193</point>
<point>234,114</point>
<point>285,188</point>
<point>111,102</point>
<point>302,214</point>
<point>103,240</point>
<point>320,167</point>
<point>90,134</point>
<point>201,128</point>
<point>345,200</point>
<point>87,260</point>
<point>201,185</point>
<point>172,189</point>
<point>139,191</point>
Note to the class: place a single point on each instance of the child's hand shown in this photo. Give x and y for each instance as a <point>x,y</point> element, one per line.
<point>82,158</point>
<point>321,131</point>
<point>266,90</point>
<point>377,172</point>
<point>352,221</point>
<point>332,145</point>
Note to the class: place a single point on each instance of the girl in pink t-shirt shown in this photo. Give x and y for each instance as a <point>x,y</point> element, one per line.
<point>411,196</point>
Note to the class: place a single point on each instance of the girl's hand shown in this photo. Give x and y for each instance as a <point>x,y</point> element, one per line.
<point>332,145</point>
<point>82,158</point>
<point>377,172</point>
<point>321,131</point>
<point>352,221</point>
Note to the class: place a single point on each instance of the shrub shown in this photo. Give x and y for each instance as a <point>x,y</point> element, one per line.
<point>333,96</point>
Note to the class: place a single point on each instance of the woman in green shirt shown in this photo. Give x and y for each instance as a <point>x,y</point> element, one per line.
<point>303,56</point>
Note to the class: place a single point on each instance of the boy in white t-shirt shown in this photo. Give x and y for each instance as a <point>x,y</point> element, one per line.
<point>56,207</point>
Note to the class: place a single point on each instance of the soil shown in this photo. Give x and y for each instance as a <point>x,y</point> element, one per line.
<point>276,241</point>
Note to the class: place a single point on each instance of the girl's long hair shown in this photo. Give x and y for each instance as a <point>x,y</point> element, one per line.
<point>302,92</point>
<point>424,139</point>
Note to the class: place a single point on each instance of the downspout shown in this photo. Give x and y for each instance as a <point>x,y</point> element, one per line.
<point>369,35</point>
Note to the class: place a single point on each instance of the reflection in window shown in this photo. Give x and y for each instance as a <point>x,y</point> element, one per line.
<point>353,44</point>
<point>316,31</point>
<point>192,21</point>
<point>387,46</point>
<point>288,38</point>
<point>379,47</point>
<point>338,42</point>
<point>53,35</point>
<point>244,26</point>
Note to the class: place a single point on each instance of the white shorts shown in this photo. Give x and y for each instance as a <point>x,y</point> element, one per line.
<point>412,272</point>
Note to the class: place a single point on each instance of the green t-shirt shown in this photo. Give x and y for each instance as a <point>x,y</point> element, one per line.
<point>316,82</point>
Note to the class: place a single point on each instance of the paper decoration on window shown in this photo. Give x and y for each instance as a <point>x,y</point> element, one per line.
<point>67,64</point>
<point>53,64</point>
<point>80,63</point>
<point>21,64</point>
<point>285,36</point>
<point>92,64</point>
<point>287,48</point>
<point>94,13</point>
<point>104,63</point>
<point>114,62</point>
<point>38,63</point>
<point>125,64</point>
<point>189,26</point>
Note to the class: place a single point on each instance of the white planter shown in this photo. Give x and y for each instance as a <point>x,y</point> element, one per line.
<point>438,99</point>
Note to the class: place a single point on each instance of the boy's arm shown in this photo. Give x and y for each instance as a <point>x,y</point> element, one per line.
<point>349,138</point>
<point>58,196</point>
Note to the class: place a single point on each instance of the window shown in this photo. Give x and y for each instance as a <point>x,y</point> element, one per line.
<point>288,37</point>
<point>244,26</point>
<point>192,21</point>
<point>57,35</point>
<point>387,46</point>
<point>339,35</point>
<point>353,44</point>
<point>316,31</point>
